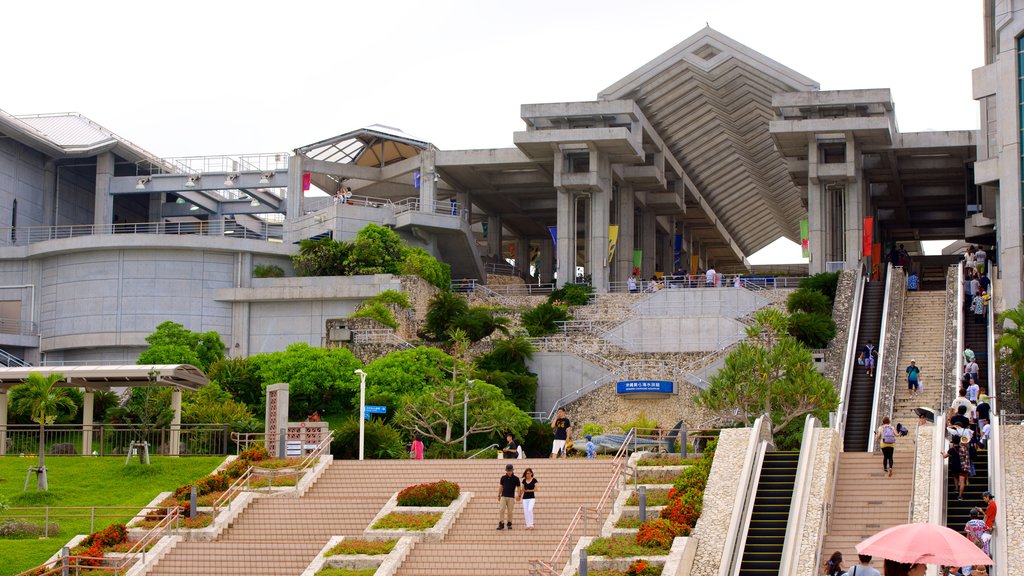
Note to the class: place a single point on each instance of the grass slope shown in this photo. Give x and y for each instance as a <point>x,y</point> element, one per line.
<point>80,481</point>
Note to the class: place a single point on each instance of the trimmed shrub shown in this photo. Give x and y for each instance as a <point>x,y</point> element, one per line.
<point>254,454</point>
<point>685,509</point>
<point>110,536</point>
<point>813,330</point>
<point>267,271</point>
<point>642,567</point>
<point>812,301</point>
<point>378,312</point>
<point>419,262</point>
<point>572,294</point>
<point>441,493</point>
<point>15,529</point>
<point>381,440</point>
<point>824,282</point>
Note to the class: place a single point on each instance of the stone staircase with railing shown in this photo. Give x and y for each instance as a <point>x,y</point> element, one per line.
<point>281,536</point>
<point>923,341</point>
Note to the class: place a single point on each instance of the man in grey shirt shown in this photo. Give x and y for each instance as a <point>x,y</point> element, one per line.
<point>863,568</point>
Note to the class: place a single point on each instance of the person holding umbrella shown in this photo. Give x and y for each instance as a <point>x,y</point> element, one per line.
<point>908,548</point>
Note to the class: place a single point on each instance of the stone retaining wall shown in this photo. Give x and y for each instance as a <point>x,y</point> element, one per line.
<point>818,493</point>
<point>922,499</point>
<point>890,356</point>
<point>719,499</point>
<point>606,408</point>
<point>952,380</point>
<point>841,315</point>
<point>1013,499</point>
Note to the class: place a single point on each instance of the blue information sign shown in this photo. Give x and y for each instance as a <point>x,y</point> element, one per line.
<point>645,387</point>
<point>373,410</point>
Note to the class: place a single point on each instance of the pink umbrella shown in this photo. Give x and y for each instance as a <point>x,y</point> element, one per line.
<point>924,544</point>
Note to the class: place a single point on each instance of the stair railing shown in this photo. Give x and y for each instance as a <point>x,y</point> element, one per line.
<point>882,354</point>
<point>739,522</point>
<point>990,333</point>
<point>954,381</point>
<point>937,500</point>
<point>890,379</point>
<point>740,543</point>
<point>997,484</point>
<point>481,451</point>
<point>583,513</point>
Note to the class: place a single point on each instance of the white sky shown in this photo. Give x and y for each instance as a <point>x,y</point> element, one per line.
<point>223,77</point>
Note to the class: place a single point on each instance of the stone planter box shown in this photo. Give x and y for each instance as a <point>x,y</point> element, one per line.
<point>435,533</point>
<point>678,561</point>
<point>658,474</point>
<point>386,564</point>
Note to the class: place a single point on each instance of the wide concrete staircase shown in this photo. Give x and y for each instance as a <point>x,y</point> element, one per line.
<point>280,536</point>
<point>922,340</point>
<point>866,501</point>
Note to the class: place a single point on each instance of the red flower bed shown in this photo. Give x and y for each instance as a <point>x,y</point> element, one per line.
<point>685,508</point>
<point>110,536</point>
<point>642,568</point>
<point>440,493</point>
<point>659,533</point>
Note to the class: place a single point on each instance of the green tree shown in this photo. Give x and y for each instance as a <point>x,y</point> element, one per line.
<point>378,312</point>
<point>824,282</point>
<point>213,405</point>
<point>44,401</point>
<point>1011,344</point>
<point>811,329</point>
<point>437,413</point>
<point>320,379</point>
<point>505,367</point>
<point>419,262</point>
<point>811,301</point>
<point>236,377</point>
<point>442,311</point>
<point>543,320</point>
<point>375,250</point>
<point>172,343</point>
<point>402,372</point>
<point>321,257</point>
<point>145,409</point>
<point>507,354</point>
<point>770,373</point>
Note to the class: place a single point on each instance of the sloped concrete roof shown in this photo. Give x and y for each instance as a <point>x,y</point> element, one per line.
<point>710,99</point>
<point>183,376</point>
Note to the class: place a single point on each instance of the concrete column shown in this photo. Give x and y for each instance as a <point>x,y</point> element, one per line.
<point>155,205</point>
<point>624,217</point>
<point>523,254</point>
<point>465,206</point>
<point>597,235</point>
<point>294,199</point>
<point>87,415</point>
<point>49,192</point>
<point>276,414</point>
<point>428,182</point>
<point>566,222</point>
<point>494,237</point>
<point>667,256</point>
<point>648,242</point>
<point>103,207</point>
<point>547,259</point>
<point>3,422</point>
<point>175,441</point>
<point>816,227</point>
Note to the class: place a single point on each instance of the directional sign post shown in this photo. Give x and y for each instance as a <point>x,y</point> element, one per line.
<point>374,410</point>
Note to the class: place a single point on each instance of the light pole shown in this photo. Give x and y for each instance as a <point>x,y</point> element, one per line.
<point>362,409</point>
<point>465,413</point>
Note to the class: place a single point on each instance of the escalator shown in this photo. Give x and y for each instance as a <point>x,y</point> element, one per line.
<point>859,405</point>
<point>976,338</point>
<point>958,512</point>
<point>762,552</point>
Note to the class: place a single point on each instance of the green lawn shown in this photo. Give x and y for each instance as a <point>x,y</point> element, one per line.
<point>82,481</point>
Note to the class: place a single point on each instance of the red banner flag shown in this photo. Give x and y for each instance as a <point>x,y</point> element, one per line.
<point>869,235</point>
<point>307,178</point>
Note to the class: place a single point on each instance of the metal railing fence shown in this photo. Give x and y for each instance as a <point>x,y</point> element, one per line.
<point>114,439</point>
<point>226,227</point>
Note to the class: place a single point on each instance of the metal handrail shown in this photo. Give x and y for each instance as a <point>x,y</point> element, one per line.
<point>10,360</point>
<point>149,537</point>
<point>959,338</point>
<point>997,483</point>
<point>798,511</point>
<point>583,511</point>
<point>481,451</point>
<point>224,227</point>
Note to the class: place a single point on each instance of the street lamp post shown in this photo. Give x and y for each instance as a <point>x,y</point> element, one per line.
<point>465,413</point>
<point>362,409</point>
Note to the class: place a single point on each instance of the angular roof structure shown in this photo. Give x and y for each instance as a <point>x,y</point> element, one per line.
<point>184,376</point>
<point>69,135</point>
<point>710,99</point>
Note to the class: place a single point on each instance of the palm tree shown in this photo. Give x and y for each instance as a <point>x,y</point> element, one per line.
<point>1012,341</point>
<point>43,401</point>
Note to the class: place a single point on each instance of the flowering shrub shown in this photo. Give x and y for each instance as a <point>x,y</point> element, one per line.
<point>440,493</point>
<point>620,547</point>
<point>357,546</point>
<point>110,536</point>
<point>255,454</point>
<point>88,555</point>
<point>685,508</point>
<point>205,485</point>
<point>407,521</point>
<point>655,497</point>
<point>643,568</point>
<point>659,533</point>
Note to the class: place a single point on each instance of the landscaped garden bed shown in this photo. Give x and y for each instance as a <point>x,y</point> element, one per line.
<point>655,497</point>
<point>346,556</point>
<point>353,546</point>
<point>347,572</point>
<point>424,510</point>
<point>658,475</point>
<point>407,521</point>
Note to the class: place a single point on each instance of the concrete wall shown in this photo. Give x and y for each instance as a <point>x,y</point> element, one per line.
<point>75,195</point>
<point>701,334</point>
<point>275,325</point>
<point>691,302</point>
<point>559,374</point>
<point>114,298</point>
<point>21,178</point>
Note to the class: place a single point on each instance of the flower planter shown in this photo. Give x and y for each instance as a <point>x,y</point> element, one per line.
<point>386,564</point>
<point>433,534</point>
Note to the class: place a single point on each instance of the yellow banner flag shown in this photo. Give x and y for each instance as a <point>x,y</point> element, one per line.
<point>613,239</point>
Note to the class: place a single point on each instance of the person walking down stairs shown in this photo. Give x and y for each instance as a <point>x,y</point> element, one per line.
<point>507,496</point>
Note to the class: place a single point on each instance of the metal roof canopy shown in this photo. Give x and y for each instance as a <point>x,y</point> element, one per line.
<point>182,376</point>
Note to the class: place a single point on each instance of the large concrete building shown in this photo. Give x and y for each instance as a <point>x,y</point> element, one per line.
<point>699,158</point>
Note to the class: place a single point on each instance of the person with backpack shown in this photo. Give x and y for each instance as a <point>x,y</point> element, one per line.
<point>886,437</point>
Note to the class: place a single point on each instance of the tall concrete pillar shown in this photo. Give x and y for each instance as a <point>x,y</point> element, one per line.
<point>155,205</point>
<point>103,207</point>
<point>523,254</point>
<point>428,180</point>
<point>597,235</point>
<point>648,242</point>
<point>547,260</point>
<point>667,256</point>
<point>3,422</point>
<point>566,222</point>
<point>87,415</point>
<point>854,222</point>
<point>175,440</point>
<point>494,237</point>
<point>465,206</point>
<point>49,192</point>
<point>294,199</point>
<point>816,219</point>
<point>624,217</point>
